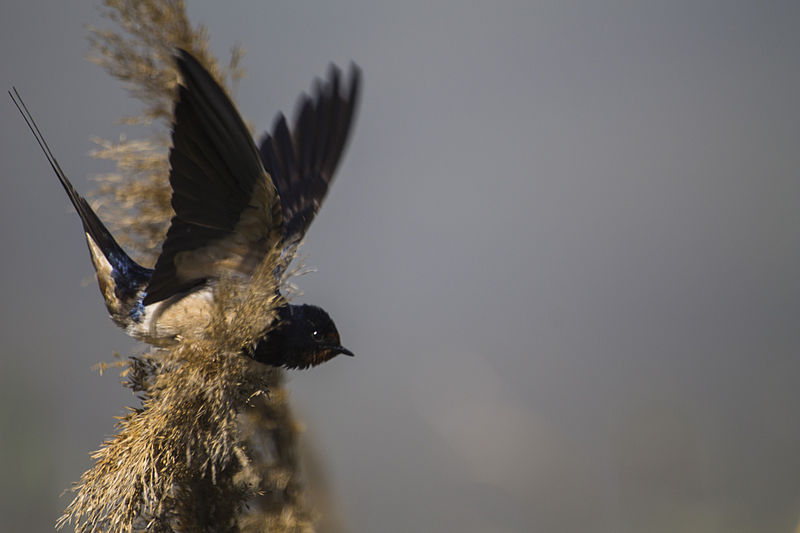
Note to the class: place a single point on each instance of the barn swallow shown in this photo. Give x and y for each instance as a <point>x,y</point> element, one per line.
<point>233,203</point>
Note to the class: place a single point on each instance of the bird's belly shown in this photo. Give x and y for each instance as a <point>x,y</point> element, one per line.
<point>186,316</point>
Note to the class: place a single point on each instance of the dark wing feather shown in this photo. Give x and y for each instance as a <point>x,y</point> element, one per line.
<point>302,163</point>
<point>226,213</point>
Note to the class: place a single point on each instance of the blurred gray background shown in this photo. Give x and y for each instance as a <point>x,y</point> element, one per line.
<point>564,245</point>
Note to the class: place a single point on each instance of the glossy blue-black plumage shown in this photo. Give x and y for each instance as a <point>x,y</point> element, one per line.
<point>305,336</point>
<point>215,170</point>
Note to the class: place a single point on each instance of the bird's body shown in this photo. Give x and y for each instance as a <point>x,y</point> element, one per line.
<point>233,204</point>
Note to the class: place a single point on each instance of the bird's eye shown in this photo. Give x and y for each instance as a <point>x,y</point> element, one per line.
<point>316,335</point>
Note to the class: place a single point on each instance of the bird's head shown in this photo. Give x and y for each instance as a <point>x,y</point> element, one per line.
<point>304,336</point>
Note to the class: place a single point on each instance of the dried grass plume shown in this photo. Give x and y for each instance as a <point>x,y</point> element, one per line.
<point>213,445</point>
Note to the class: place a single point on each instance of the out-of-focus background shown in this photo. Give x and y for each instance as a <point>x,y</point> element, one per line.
<point>564,245</point>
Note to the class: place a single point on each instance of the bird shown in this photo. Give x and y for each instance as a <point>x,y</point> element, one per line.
<point>233,202</point>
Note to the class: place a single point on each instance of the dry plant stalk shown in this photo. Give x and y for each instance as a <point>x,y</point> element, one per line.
<point>213,446</point>
<point>178,462</point>
<point>141,54</point>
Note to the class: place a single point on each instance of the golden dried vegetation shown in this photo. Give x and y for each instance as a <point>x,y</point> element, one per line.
<point>213,446</point>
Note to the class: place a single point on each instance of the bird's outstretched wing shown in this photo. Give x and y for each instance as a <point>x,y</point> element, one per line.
<point>302,162</point>
<point>227,213</point>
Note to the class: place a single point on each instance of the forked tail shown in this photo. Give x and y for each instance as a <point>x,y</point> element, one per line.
<point>120,277</point>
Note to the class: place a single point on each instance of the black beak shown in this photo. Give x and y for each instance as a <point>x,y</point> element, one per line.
<point>342,349</point>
